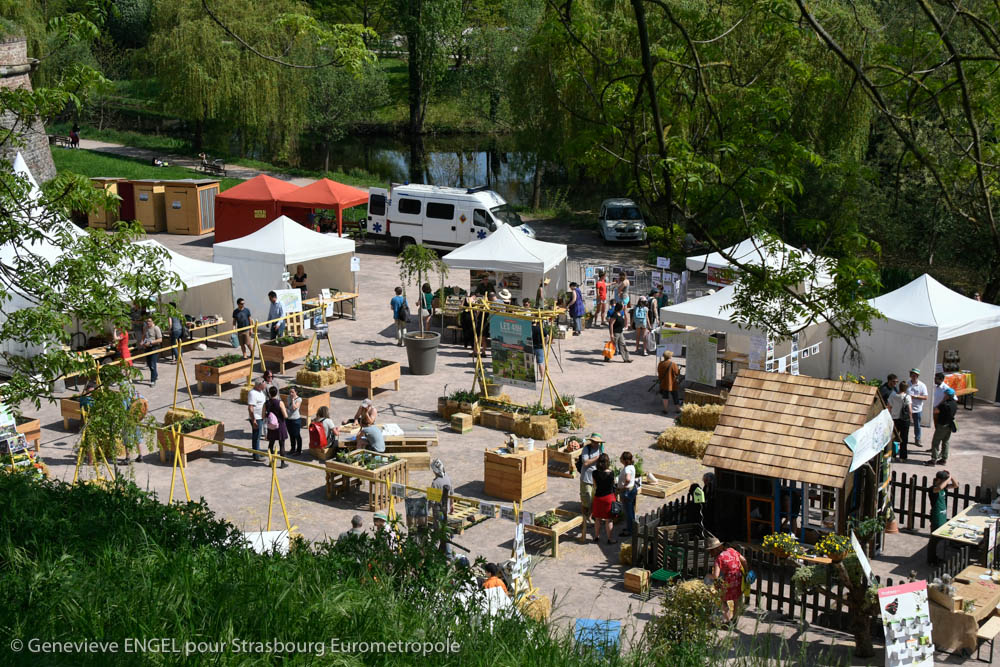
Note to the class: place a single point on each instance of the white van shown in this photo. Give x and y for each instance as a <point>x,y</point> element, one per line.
<point>438,217</point>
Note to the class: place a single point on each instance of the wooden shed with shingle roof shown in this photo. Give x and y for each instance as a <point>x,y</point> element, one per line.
<point>780,457</point>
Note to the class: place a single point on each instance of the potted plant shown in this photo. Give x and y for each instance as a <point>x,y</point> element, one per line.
<point>834,547</point>
<point>416,262</point>
<point>782,545</point>
<point>284,349</point>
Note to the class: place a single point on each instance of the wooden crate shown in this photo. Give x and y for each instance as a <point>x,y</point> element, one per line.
<point>69,408</point>
<point>32,430</point>
<point>283,354</point>
<point>517,476</point>
<point>369,380</point>
<point>378,480</point>
<point>567,522</point>
<point>665,486</point>
<point>490,418</point>
<point>461,422</point>
<point>219,376</point>
<point>560,457</point>
<point>189,442</point>
<point>637,580</point>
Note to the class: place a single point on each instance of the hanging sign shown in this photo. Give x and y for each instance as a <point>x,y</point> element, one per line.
<point>433,494</point>
<point>859,552</point>
<point>355,264</point>
<point>870,439</point>
<point>513,357</point>
<point>663,262</point>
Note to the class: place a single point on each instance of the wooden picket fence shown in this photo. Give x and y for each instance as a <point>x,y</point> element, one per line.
<point>909,499</point>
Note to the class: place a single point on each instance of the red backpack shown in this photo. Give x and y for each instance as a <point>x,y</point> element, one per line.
<point>317,436</point>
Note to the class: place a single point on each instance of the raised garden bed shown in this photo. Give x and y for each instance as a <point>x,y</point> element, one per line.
<point>312,400</point>
<point>285,349</point>
<point>31,427</point>
<point>516,476</point>
<point>348,470</point>
<point>192,430</point>
<point>371,374</point>
<point>219,371</point>
<point>554,524</point>
<point>562,455</point>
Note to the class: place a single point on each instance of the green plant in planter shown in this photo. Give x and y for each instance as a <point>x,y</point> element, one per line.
<point>547,520</point>
<point>114,425</point>
<point>316,363</point>
<point>192,424</point>
<point>866,528</point>
<point>417,262</point>
<point>224,360</point>
<point>284,341</point>
<point>370,366</point>
<point>563,419</point>
<point>303,392</point>
<point>464,397</point>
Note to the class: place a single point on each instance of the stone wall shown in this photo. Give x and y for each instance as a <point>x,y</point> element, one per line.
<point>34,140</point>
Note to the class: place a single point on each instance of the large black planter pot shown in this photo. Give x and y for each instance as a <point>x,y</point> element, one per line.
<point>422,352</point>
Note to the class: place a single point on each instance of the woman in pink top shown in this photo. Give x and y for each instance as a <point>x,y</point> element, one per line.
<point>121,344</point>
<point>727,572</point>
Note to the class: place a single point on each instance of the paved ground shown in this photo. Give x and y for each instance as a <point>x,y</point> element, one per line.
<point>586,581</point>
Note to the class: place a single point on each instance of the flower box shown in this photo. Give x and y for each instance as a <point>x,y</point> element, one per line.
<point>220,375</point>
<point>370,379</point>
<point>312,400</point>
<point>275,352</point>
<point>191,441</point>
<point>31,427</point>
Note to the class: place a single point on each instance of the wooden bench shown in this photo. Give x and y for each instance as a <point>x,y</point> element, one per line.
<point>967,397</point>
<point>216,167</point>
<point>987,634</point>
<point>60,140</point>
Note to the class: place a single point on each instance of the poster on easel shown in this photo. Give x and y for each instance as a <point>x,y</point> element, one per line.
<point>907,622</point>
<point>512,351</point>
<point>702,358</point>
<point>758,352</point>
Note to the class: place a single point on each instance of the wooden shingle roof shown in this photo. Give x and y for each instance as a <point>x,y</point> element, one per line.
<point>790,427</point>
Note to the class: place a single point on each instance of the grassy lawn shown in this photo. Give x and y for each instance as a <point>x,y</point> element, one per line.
<point>94,164</point>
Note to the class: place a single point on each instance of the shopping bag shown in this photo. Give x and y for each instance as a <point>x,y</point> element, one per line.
<point>609,350</point>
<point>234,340</point>
<point>650,341</point>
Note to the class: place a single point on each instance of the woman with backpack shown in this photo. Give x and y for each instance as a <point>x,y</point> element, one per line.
<point>322,431</point>
<point>275,417</point>
<point>294,423</point>
<point>641,315</point>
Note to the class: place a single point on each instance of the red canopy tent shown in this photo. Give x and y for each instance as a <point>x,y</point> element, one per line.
<point>249,206</point>
<point>324,193</point>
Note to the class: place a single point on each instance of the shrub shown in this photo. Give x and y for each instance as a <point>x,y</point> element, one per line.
<point>683,630</point>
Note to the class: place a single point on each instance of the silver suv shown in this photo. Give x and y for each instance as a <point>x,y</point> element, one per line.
<point>621,220</point>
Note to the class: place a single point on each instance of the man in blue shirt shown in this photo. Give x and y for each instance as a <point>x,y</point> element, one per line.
<point>276,311</point>
<point>398,315</point>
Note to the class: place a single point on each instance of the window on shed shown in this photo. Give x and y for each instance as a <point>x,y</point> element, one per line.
<point>409,206</point>
<point>440,211</point>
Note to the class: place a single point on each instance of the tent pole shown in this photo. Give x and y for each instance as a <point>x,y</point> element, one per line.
<point>340,221</point>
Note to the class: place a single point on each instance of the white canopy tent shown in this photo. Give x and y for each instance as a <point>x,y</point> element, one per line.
<point>507,250</point>
<point>209,286</point>
<point>755,252</point>
<point>712,313</point>
<point>918,318</point>
<point>260,259</point>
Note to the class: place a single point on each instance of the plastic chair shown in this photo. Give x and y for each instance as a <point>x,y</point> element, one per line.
<point>676,555</point>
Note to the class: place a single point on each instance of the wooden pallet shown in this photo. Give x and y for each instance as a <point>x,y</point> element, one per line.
<point>665,486</point>
<point>463,517</point>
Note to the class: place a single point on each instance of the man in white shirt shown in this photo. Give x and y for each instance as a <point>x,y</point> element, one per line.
<point>918,393</point>
<point>255,407</point>
<point>940,389</point>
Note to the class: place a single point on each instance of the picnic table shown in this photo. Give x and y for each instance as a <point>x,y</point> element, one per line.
<point>973,519</point>
<point>341,477</point>
<point>338,298</point>
<point>967,397</point>
<point>957,627</point>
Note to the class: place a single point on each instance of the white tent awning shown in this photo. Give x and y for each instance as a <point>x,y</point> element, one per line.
<point>286,238</point>
<point>755,252</point>
<point>925,302</point>
<point>507,249</point>
<point>193,272</point>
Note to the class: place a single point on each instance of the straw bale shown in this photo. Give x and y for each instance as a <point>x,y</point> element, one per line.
<point>703,417</point>
<point>682,440</point>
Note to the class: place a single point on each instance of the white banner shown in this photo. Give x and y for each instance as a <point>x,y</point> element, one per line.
<point>702,358</point>
<point>870,439</point>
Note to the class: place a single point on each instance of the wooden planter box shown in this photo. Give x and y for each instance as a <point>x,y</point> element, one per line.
<point>341,477</point>
<point>188,441</point>
<point>220,376</point>
<point>567,522</point>
<point>32,430</point>
<point>559,455</point>
<point>516,477</point>
<point>70,409</point>
<point>309,406</point>
<point>283,354</point>
<point>371,379</point>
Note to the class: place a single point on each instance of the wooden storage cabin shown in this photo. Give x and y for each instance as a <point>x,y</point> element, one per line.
<point>781,461</point>
<point>149,204</point>
<point>105,218</point>
<point>190,205</point>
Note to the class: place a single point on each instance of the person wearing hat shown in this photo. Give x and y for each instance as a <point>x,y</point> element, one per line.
<point>356,528</point>
<point>669,375</point>
<point>918,394</point>
<point>588,464</point>
<point>540,294</point>
<point>576,308</point>
<point>727,573</point>
<point>383,529</point>
<point>365,415</point>
<point>504,295</point>
<point>640,317</point>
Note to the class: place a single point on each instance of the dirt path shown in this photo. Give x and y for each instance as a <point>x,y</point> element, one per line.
<point>233,171</point>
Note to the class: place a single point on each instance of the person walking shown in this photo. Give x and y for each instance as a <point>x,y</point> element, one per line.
<point>888,388</point>
<point>588,464</point>
<point>727,572</point>
<point>274,312</point>
<point>276,417</point>
<point>294,422</point>
<point>918,393</point>
<point>601,307</point>
<point>628,489</point>
<point>426,304</point>
<point>939,510</point>
<point>400,313</point>
<point>944,426</point>
<point>243,321</point>
<point>256,398</point>
<point>669,374</point>
<point>616,329</point>
<point>152,337</point>
<point>901,411</point>
<point>537,344</point>
<point>641,318</point>
<point>576,308</point>
<point>621,294</point>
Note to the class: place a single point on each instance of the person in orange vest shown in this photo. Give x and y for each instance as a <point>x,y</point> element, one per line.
<point>668,373</point>
<point>494,580</point>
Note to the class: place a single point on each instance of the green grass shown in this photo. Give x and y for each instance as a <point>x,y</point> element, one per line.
<point>153,142</point>
<point>92,164</point>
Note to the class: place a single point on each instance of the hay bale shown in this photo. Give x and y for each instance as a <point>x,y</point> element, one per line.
<point>695,397</point>
<point>577,420</point>
<point>180,414</point>
<point>625,554</point>
<point>703,417</point>
<point>682,440</point>
<point>522,426</point>
<point>546,429</point>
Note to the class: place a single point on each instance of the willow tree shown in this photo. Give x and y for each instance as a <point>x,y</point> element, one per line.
<point>726,119</point>
<point>238,79</point>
